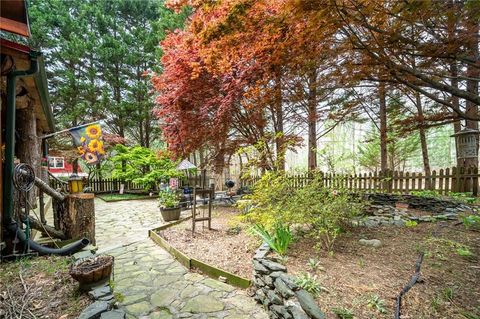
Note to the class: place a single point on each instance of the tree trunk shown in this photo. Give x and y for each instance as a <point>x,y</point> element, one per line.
<point>383,126</point>
<point>147,130</point>
<point>28,145</point>
<point>423,140</point>
<point>312,120</point>
<point>278,123</point>
<point>457,125</point>
<point>473,73</point>
<point>78,219</point>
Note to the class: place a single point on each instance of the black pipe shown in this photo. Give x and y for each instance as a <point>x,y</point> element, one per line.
<point>42,250</point>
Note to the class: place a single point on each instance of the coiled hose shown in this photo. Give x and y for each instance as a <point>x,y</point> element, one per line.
<point>42,250</point>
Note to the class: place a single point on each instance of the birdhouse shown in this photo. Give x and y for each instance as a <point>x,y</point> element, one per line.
<point>467,143</point>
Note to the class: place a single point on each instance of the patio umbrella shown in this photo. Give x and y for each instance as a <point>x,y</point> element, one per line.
<point>185,165</point>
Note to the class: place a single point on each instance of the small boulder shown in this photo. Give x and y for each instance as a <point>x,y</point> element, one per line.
<point>370,242</point>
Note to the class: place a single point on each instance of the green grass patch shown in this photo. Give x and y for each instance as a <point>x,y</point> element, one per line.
<point>120,197</point>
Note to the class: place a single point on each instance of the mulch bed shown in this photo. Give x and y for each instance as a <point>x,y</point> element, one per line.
<point>355,274</point>
<point>227,245</point>
<point>40,287</point>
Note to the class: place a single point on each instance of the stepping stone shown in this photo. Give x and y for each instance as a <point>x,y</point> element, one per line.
<point>163,297</point>
<point>94,310</point>
<point>218,285</point>
<point>165,280</point>
<point>127,300</point>
<point>113,314</point>
<point>99,291</point>
<point>139,308</point>
<point>202,304</point>
<point>162,314</point>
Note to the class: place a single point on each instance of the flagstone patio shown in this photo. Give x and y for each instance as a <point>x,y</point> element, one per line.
<point>151,284</point>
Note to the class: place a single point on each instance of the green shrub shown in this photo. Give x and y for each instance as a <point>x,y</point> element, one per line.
<point>463,197</point>
<point>343,313</point>
<point>309,283</point>
<point>471,222</point>
<point>268,203</point>
<point>325,211</point>
<point>280,239</point>
<point>426,194</point>
<point>411,223</point>
<point>375,302</point>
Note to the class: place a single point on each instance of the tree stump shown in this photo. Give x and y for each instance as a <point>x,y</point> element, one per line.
<point>78,219</point>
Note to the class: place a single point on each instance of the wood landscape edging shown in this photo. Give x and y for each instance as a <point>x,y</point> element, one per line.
<point>191,263</point>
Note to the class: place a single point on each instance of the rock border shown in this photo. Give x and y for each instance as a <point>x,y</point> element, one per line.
<point>278,292</point>
<point>190,263</point>
<point>104,305</point>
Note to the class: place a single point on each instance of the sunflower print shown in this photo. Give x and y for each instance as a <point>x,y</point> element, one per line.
<point>81,151</point>
<point>91,157</point>
<point>95,146</point>
<point>94,131</point>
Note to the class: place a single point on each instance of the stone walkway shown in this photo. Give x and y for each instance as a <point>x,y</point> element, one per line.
<point>149,282</point>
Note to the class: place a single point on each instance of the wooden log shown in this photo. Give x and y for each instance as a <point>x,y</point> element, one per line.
<point>78,219</point>
<point>48,190</point>
<point>46,230</point>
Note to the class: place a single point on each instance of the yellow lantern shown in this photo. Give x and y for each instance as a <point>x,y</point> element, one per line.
<point>75,184</point>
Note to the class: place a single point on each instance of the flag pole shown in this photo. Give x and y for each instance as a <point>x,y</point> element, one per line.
<point>67,130</point>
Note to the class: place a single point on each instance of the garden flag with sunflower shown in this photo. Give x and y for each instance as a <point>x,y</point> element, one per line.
<point>88,141</point>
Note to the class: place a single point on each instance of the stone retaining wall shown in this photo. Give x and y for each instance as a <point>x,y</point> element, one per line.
<point>381,210</point>
<point>429,204</point>
<point>277,291</point>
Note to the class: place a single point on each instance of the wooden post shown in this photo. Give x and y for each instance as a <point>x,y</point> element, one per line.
<point>78,219</point>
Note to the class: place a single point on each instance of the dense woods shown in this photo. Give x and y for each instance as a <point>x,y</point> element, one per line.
<point>258,74</point>
<point>97,55</point>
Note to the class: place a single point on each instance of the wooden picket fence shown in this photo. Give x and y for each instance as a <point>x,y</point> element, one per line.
<point>442,181</point>
<point>108,185</point>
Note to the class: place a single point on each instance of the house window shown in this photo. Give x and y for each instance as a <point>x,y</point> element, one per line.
<point>56,162</point>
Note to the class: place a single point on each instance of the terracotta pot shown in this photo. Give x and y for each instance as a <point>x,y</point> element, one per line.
<point>169,214</point>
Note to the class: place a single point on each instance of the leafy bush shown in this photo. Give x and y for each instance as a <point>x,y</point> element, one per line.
<point>280,239</point>
<point>426,194</point>
<point>375,302</point>
<point>142,165</point>
<point>343,313</point>
<point>463,197</point>
<point>314,264</point>
<point>168,199</point>
<point>268,203</point>
<point>411,223</point>
<point>471,222</point>
<point>325,211</point>
<point>309,283</point>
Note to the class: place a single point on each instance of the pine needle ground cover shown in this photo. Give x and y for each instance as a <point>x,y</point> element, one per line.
<point>365,280</point>
<point>228,245</point>
<point>40,288</point>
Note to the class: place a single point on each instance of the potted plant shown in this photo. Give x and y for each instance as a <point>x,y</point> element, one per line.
<point>169,203</point>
